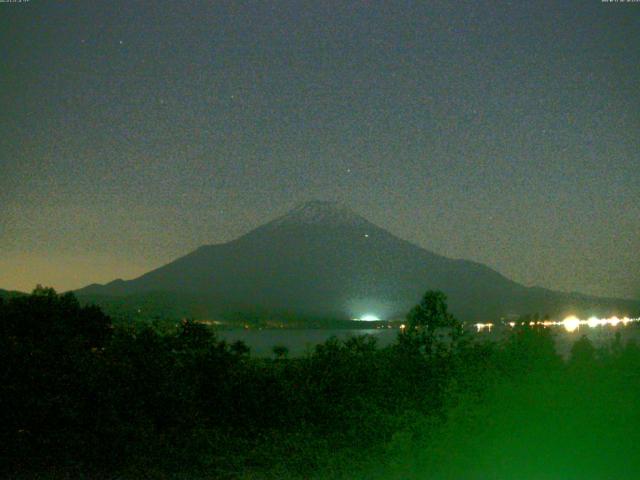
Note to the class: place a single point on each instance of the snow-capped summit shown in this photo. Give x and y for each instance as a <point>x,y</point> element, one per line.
<point>325,213</point>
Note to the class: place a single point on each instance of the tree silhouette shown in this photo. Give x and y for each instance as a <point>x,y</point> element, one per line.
<point>280,351</point>
<point>583,354</point>
<point>194,335</point>
<point>240,348</point>
<point>428,316</point>
<point>431,312</point>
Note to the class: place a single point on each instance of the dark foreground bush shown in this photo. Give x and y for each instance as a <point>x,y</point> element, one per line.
<point>79,398</point>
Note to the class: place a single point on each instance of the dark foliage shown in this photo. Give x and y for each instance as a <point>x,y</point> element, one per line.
<point>78,396</point>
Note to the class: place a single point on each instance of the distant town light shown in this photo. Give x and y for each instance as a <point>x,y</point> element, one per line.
<point>571,323</point>
<point>483,326</point>
<point>593,322</point>
<point>369,318</point>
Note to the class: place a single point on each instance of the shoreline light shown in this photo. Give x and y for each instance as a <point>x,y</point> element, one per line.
<point>483,326</point>
<point>573,323</point>
<point>594,322</point>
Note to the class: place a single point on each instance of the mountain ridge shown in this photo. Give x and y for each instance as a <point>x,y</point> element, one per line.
<point>322,258</point>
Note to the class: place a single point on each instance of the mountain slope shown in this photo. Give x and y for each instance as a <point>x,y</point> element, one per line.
<point>323,259</point>
<point>10,293</point>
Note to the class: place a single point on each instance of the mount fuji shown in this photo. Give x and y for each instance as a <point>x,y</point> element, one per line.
<point>323,259</point>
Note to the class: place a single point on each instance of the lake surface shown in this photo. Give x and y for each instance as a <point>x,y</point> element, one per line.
<point>301,341</point>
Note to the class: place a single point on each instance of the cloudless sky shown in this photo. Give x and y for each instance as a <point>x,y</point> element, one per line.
<point>501,132</point>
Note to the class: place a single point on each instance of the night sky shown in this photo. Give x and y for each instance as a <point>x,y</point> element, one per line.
<point>502,132</point>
